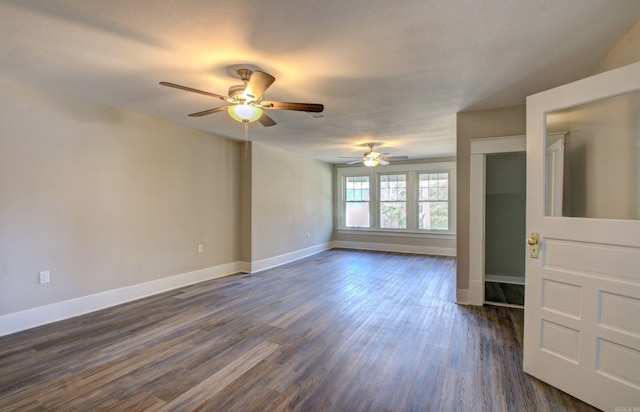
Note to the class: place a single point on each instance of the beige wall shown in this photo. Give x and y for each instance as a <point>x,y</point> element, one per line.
<point>291,196</point>
<point>105,198</point>
<point>507,121</point>
<point>627,51</point>
<point>245,202</point>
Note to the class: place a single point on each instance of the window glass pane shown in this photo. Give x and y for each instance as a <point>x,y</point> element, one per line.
<point>434,216</point>
<point>357,201</point>
<point>443,193</point>
<point>593,171</point>
<point>433,201</point>
<point>423,184</point>
<point>393,187</point>
<point>434,186</point>
<point>393,215</point>
<point>357,188</point>
<point>357,214</point>
<point>393,196</point>
<point>384,194</point>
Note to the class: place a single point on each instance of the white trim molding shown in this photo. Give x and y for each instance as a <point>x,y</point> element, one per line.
<point>41,315</point>
<point>397,233</point>
<point>272,262</point>
<point>480,148</point>
<point>389,247</point>
<point>500,144</point>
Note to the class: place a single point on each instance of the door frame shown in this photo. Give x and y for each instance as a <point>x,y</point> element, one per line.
<point>480,148</point>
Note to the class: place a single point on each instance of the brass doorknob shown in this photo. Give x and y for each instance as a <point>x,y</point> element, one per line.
<point>533,241</point>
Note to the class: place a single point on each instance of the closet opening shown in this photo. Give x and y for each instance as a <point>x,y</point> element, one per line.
<point>497,221</point>
<point>505,217</point>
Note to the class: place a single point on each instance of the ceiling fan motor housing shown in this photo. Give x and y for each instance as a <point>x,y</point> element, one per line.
<point>236,93</point>
<point>244,74</point>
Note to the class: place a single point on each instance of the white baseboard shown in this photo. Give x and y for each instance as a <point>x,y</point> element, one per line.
<point>30,318</point>
<point>389,247</point>
<point>462,296</point>
<point>245,267</point>
<point>269,263</point>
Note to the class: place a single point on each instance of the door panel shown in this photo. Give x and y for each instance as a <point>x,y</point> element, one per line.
<point>582,303</point>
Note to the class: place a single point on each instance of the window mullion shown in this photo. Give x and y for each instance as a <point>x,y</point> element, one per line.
<point>412,207</point>
<point>375,206</point>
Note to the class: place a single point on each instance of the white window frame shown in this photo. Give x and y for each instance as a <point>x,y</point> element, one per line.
<point>412,171</point>
<point>345,202</point>
<point>379,202</point>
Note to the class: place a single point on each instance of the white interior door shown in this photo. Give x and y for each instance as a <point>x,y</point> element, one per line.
<point>582,298</point>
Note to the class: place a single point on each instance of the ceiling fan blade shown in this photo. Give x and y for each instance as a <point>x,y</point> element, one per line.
<point>210,111</point>
<point>394,157</point>
<point>266,121</point>
<point>350,157</point>
<point>258,83</point>
<point>300,107</point>
<point>354,162</point>
<point>383,162</point>
<point>189,89</point>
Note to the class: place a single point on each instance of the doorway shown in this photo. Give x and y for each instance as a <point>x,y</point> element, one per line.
<point>497,221</point>
<point>504,228</point>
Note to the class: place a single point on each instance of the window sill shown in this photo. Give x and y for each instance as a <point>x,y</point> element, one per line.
<point>394,233</point>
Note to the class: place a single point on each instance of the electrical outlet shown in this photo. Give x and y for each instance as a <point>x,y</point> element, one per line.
<point>200,248</point>
<point>45,277</point>
<point>308,235</point>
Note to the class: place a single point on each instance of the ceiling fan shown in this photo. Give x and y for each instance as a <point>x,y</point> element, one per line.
<point>246,104</point>
<point>373,159</point>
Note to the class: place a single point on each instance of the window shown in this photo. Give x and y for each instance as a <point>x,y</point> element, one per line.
<point>357,201</point>
<point>415,199</point>
<point>393,201</point>
<point>433,198</point>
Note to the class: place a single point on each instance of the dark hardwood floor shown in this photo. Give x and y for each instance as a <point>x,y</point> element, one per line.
<point>504,293</point>
<point>339,331</point>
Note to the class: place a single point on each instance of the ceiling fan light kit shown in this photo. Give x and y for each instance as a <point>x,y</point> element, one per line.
<point>245,100</point>
<point>373,159</point>
<point>245,113</point>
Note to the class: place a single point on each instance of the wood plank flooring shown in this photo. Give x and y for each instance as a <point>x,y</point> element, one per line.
<point>339,331</point>
<point>506,293</point>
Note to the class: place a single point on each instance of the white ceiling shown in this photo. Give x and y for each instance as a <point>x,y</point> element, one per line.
<point>390,71</point>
